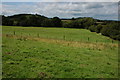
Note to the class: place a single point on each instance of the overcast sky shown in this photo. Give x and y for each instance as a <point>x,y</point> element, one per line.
<point>99,10</point>
<point>60,0</point>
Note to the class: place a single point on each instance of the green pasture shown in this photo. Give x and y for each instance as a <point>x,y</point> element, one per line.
<point>36,52</point>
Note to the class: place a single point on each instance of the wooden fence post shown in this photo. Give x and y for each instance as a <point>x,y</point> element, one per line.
<point>88,38</point>
<point>64,37</point>
<point>38,35</point>
<point>14,33</point>
<point>112,41</point>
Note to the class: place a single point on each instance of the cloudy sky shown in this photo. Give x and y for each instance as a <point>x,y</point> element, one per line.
<point>60,0</point>
<point>99,10</point>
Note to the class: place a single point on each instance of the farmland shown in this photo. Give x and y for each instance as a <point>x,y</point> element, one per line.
<point>37,52</point>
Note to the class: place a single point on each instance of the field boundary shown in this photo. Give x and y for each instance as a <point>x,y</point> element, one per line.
<point>90,45</point>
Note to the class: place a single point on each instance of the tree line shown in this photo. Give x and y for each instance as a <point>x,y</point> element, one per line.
<point>104,27</point>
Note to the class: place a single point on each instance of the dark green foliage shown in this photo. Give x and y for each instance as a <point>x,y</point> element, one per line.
<point>31,20</point>
<point>111,30</point>
<point>67,24</point>
<point>79,23</point>
<point>56,22</point>
<point>92,28</point>
<point>105,30</point>
<point>87,22</point>
<point>47,23</point>
<point>98,28</point>
<point>6,21</point>
<point>72,24</point>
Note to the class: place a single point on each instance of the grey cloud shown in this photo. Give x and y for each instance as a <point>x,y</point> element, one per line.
<point>94,5</point>
<point>64,9</point>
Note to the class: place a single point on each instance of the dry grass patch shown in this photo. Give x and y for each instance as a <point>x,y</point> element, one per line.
<point>90,45</point>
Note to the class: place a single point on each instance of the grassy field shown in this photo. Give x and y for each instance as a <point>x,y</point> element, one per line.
<point>33,52</point>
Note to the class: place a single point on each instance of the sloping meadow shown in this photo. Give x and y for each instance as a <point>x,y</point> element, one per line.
<point>33,52</point>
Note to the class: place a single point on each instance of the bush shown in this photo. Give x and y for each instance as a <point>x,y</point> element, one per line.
<point>111,31</point>
<point>92,28</point>
<point>56,22</point>
<point>98,28</point>
<point>67,24</point>
<point>105,30</point>
<point>47,23</point>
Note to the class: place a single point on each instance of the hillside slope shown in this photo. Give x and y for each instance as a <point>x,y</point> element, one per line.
<point>32,52</point>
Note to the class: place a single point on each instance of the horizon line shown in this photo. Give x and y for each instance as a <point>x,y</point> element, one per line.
<point>66,17</point>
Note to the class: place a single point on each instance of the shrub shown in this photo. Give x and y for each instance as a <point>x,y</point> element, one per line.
<point>92,28</point>
<point>98,28</point>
